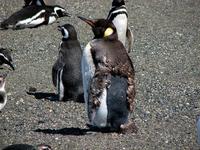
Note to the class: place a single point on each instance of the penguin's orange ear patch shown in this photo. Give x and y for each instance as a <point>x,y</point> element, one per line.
<point>108,32</point>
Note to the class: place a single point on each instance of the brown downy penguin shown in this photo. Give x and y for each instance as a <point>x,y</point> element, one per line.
<point>27,147</point>
<point>108,79</point>
<point>119,17</point>
<point>35,13</point>
<point>66,72</point>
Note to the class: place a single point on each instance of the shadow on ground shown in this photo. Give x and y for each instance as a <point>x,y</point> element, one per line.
<point>52,96</point>
<point>64,131</point>
<point>75,131</point>
<point>44,95</point>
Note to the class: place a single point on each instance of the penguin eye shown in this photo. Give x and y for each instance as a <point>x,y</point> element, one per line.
<point>108,32</point>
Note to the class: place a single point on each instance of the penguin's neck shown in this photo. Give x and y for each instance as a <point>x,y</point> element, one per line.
<point>65,39</point>
<point>115,10</point>
<point>112,37</point>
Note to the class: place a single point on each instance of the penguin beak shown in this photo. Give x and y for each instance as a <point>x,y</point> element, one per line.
<point>66,14</point>
<point>88,21</point>
<point>12,66</point>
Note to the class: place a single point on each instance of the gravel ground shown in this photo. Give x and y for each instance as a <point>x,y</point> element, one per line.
<point>166,56</point>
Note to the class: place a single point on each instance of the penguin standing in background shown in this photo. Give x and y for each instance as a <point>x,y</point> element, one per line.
<point>108,79</point>
<point>119,17</point>
<point>3,95</point>
<point>66,72</point>
<point>5,58</point>
<point>34,14</point>
<point>27,147</point>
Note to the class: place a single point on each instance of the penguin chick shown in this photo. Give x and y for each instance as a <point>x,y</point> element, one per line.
<point>119,17</point>
<point>3,95</point>
<point>34,14</point>
<point>27,147</point>
<point>5,58</point>
<point>108,78</point>
<point>66,72</point>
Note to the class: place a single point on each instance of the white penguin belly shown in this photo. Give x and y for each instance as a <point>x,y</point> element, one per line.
<point>99,116</point>
<point>121,23</point>
<point>36,22</point>
<point>60,86</point>
<point>33,21</point>
<point>87,69</point>
<point>52,19</point>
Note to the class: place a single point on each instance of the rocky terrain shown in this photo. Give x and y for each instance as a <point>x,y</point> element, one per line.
<point>166,57</point>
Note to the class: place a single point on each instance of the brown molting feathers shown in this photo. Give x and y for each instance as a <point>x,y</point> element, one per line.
<point>101,80</point>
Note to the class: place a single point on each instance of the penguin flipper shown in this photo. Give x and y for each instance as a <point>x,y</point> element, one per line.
<point>129,36</point>
<point>56,67</point>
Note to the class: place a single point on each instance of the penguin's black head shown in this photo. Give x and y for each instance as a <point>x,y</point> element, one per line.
<point>68,32</point>
<point>118,3</point>
<point>60,11</point>
<point>101,28</point>
<point>5,58</point>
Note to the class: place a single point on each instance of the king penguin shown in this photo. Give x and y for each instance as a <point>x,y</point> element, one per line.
<point>66,72</point>
<point>34,13</point>
<point>5,58</point>
<point>119,17</point>
<point>108,79</point>
<point>27,147</point>
<point>3,95</point>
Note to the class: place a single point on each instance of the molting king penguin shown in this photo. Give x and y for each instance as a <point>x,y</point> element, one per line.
<point>27,147</point>
<point>34,13</point>
<point>66,72</point>
<point>108,79</point>
<point>119,17</point>
<point>5,58</point>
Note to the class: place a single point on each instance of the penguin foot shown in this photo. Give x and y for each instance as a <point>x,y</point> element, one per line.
<point>128,128</point>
